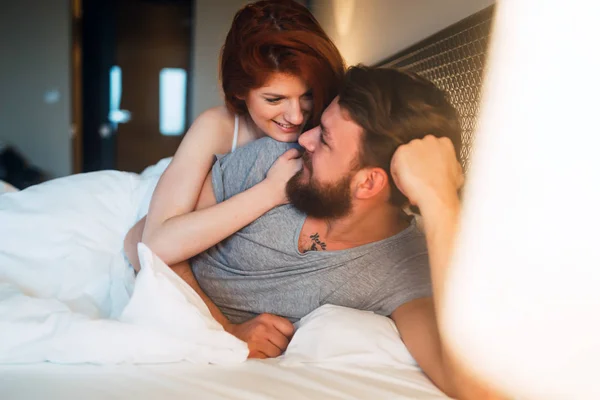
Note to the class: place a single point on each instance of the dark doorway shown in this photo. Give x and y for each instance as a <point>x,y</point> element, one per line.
<point>136,57</point>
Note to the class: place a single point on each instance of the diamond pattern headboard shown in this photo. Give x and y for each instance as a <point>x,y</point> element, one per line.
<point>454,60</point>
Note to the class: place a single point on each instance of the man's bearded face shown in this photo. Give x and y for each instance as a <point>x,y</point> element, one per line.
<point>316,199</point>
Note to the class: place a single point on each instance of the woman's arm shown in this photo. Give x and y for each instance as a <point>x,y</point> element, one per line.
<point>184,236</point>
<point>179,187</point>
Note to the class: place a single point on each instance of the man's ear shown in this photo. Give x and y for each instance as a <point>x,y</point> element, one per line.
<point>369,182</point>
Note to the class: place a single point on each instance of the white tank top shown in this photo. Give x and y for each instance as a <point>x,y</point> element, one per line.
<point>235,133</point>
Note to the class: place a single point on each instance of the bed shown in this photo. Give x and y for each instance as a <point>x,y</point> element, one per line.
<point>251,380</point>
<point>74,323</point>
<point>334,361</point>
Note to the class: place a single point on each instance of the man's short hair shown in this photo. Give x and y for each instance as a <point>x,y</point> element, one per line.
<point>394,107</point>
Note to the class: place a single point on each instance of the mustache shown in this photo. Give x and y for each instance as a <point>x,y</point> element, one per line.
<point>307,160</point>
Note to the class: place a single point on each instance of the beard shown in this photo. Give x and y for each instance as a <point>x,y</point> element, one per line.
<point>317,200</point>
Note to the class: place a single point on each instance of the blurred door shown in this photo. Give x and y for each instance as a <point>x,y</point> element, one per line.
<point>143,53</point>
<point>153,50</point>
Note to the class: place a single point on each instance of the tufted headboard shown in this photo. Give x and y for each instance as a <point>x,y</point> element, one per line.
<point>453,59</point>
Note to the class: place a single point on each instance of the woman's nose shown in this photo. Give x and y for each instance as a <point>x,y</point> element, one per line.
<point>294,114</point>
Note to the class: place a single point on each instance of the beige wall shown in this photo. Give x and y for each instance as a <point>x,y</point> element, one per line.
<point>35,64</point>
<point>212,20</point>
<point>369,31</point>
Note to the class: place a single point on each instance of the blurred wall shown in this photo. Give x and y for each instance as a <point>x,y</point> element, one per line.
<point>369,31</point>
<point>212,20</point>
<point>35,87</point>
<point>35,43</point>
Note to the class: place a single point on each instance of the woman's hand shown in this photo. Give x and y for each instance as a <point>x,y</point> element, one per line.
<point>286,166</point>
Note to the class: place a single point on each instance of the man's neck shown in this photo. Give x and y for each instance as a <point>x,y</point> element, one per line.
<point>360,227</point>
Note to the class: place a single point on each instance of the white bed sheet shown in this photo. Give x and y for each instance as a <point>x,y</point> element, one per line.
<point>254,379</point>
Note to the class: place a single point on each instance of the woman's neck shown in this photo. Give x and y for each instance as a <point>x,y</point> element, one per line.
<point>252,130</point>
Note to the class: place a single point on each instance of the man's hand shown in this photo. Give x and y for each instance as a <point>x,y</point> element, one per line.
<point>267,335</point>
<point>427,171</point>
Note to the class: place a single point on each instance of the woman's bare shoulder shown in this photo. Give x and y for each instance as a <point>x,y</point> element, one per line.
<point>219,117</point>
<point>214,125</point>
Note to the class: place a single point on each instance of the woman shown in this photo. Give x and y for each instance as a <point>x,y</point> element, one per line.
<point>279,70</point>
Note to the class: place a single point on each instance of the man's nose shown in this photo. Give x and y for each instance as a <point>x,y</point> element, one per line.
<point>293,114</point>
<point>308,139</point>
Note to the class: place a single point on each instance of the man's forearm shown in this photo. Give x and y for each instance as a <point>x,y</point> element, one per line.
<point>440,220</point>
<point>184,270</point>
<point>441,225</point>
<point>429,174</point>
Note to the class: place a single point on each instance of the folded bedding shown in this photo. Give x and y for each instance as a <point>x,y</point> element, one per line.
<point>67,294</point>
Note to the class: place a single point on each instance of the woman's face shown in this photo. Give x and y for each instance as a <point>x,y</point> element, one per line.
<point>281,107</point>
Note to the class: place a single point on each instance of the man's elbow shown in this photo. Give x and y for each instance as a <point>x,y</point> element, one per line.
<point>479,393</point>
<point>465,386</point>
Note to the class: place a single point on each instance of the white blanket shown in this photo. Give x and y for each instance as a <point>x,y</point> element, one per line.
<point>67,294</point>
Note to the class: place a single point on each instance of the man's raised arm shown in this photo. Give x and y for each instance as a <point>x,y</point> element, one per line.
<point>429,175</point>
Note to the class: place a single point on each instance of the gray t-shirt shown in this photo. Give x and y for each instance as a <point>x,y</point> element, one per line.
<point>260,269</point>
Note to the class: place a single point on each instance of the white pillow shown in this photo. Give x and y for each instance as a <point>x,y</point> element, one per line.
<point>334,334</point>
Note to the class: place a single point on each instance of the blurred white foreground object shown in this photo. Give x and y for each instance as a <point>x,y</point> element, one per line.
<point>523,297</point>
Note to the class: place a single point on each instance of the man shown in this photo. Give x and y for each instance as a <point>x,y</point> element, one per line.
<point>345,238</point>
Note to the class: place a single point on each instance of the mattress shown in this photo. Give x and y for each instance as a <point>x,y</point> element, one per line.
<point>254,379</point>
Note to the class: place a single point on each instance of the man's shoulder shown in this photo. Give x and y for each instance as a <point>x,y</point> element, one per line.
<point>406,247</point>
<point>265,145</point>
<point>238,171</point>
<point>260,154</point>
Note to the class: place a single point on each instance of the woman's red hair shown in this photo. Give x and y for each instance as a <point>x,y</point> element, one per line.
<point>279,36</point>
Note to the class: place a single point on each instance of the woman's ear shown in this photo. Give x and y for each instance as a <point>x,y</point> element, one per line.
<point>369,182</point>
<point>241,96</point>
